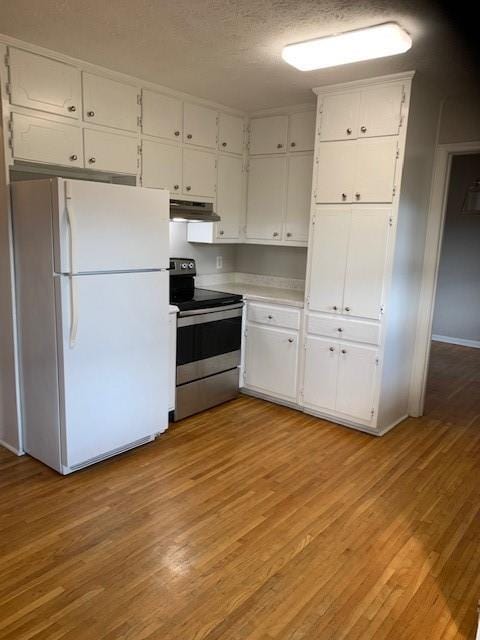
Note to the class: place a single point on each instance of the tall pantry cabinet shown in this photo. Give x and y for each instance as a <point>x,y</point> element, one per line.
<point>361,288</point>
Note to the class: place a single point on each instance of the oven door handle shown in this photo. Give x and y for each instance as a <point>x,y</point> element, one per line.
<point>205,318</point>
<point>219,309</point>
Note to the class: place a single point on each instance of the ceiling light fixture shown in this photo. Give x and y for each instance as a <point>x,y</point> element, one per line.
<point>362,44</point>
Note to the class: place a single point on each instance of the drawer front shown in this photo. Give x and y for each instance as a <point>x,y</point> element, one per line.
<point>274,315</point>
<point>344,329</point>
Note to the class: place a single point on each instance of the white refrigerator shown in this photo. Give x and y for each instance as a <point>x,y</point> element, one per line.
<point>91,276</point>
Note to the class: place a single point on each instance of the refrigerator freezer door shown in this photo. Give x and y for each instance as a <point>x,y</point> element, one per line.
<point>102,227</point>
<point>114,380</point>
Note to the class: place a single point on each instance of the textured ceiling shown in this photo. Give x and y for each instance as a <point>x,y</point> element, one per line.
<point>229,50</point>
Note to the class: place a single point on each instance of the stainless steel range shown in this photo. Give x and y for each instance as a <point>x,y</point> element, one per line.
<point>209,334</point>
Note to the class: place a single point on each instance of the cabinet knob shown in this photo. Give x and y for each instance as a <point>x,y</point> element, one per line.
<point>90,114</point>
<point>72,108</point>
<point>357,196</point>
<point>279,146</point>
<point>176,186</point>
<point>340,329</point>
<point>275,234</point>
<point>344,351</point>
<point>289,235</point>
<point>331,348</point>
<point>335,307</point>
<point>270,317</point>
<point>344,196</point>
<point>188,188</point>
<point>189,136</point>
<point>176,133</point>
<point>293,144</point>
<point>224,144</point>
<point>92,160</point>
<point>347,308</point>
<point>221,232</point>
<point>349,131</point>
<point>290,340</point>
<point>363,129</point>
<point>74,156</point>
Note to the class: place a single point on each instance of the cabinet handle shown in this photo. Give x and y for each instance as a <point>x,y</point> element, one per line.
<point>349,131</point>
<point>224,144</point>
<point>72,108</point>
<point>279,146</point>
<point>90,114</point>
<point>344,351</point>
<point>275,234</point>
<point>188,188</point>
<point>293,144</point>
<point>176,186</point>
<point>340,329</point>
<point>290,340</point>
<point>92,160</point>
<point>331,348</point>
<point>270,317</point>
<point>176,133</point>
<point>289,235</point>
<point>73,157</point>
<point>363,129</point>
<point>221,232</point>
<point>344,196</point>
<point>357,196</point>
<point>347,308</point>
<point>189,136</point>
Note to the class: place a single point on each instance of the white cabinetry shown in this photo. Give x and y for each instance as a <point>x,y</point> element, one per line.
<point>301,131</point>
<point>199,126</point>
<point>299,189</point>
<point>162,115</point>
<point>41,83</point>
<point>230,133</point>
<point>110,103</point>
<point>271,350</point>
<point>268,135</point>
<point>356,170</point>
<point>199,173</point>
<point>266,198</point>
<point>108,151</point>
<point>162,166</point>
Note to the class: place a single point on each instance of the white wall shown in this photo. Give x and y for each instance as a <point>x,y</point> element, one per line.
<point>204,254</point>
<point>460,119</point>
<point>457,303</point>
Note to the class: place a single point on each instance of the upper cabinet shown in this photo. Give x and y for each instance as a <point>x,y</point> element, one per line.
<point>301,131</point>
<point>299,190</point>
<point>162,116</point>
<point>199,126</point>
<point>41,83</point>
<point>268,135</point>
<point>266,198</point>
<point>230,206</point>
<point>199,173</point>
<point>370,112</point>
<point>162,166</point>
<point>110,103</point>
<point>230,133</point>
<point>108,151</point>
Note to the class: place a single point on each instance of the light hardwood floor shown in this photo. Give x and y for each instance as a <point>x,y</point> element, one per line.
<point>254,521</point>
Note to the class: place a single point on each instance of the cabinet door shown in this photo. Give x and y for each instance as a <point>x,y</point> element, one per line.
<point>367,251</point>
<point>380,110</point>
<point>199,125</point>
<point>266,198</point>
<point>375,169</point>
<point>329,242</point>
<point>161,166</point>
<point>109,102</point>
<point>357,368</point>
<point>299,190</point>
<point>320,373</point>
<point>268,135</point>
<point>271,357</point>
<point>199,173</point>
<point>107,151</point>
<point>41,140</point>
<point>338,118</point>
<point>230,133</point>
<point>40,83</point>
<point>301,131</point>
<point>335,172</point>
<point>162,115</point>
<point>229,197</point>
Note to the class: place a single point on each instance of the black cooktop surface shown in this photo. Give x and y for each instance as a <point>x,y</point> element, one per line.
<point>205,298</point>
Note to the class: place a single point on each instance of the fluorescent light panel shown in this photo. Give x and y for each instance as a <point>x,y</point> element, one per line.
<point>352,46</point>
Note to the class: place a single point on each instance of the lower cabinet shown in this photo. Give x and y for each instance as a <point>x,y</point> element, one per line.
<point>340,378</point>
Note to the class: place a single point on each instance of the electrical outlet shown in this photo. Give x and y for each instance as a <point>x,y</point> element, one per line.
<point>219,262</point>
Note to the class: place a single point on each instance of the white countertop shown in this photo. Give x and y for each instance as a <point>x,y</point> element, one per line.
<point>291,297</point>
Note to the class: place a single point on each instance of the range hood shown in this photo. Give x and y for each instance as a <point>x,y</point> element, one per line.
<point>185,211</point>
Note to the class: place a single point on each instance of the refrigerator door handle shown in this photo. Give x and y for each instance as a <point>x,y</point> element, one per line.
<point>72,224</point>
<point>73,312</point>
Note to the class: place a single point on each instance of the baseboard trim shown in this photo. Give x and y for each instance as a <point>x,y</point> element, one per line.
<point>460,341</point>
<point>17,452</point>
<point>274,400</point>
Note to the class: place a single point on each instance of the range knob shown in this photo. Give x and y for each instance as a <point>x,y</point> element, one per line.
<point>184,265</point>
<point>191,265</point>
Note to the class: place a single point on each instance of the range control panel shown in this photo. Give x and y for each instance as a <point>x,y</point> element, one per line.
<point>182,267</point>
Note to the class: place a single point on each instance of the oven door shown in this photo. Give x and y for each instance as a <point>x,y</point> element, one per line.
<point>208,342</point>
